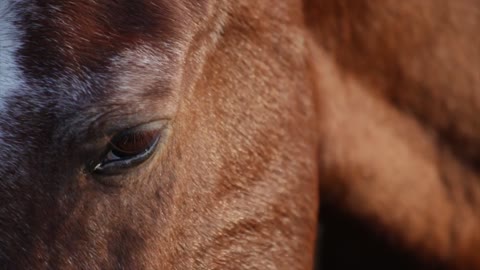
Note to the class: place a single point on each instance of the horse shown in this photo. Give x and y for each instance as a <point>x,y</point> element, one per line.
<point>154,134</point>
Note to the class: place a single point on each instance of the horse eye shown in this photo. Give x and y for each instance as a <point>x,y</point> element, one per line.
<point>132,143</point>
<point>127,149</point>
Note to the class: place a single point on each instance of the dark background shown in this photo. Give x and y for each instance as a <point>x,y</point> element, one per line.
<point>345,243</point>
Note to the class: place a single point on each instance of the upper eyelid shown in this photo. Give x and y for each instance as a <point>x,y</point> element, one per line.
<point>150,126</point>
<point>153,125</point>
<point>97,124</point>
<point>97,145</point>
<point>108,134</point>
<point>134,132</point>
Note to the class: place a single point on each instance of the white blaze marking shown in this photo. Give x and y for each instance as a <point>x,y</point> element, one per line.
<point>10,42</point>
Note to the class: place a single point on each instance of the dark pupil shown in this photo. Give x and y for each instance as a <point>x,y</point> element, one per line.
<point>133,143</point>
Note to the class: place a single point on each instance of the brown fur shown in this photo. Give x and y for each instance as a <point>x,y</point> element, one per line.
<point>234,183</point>
<point>398,92</point>
<point>376,100</point>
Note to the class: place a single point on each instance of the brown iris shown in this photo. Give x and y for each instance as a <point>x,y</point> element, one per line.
<point>133,143</point>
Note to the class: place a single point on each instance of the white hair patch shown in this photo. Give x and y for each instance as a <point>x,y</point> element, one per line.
<point>10,43</point>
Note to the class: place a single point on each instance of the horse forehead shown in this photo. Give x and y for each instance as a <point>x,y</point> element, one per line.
<point>56,52</point>
<point>56,42</point>
<point>77,35</point>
